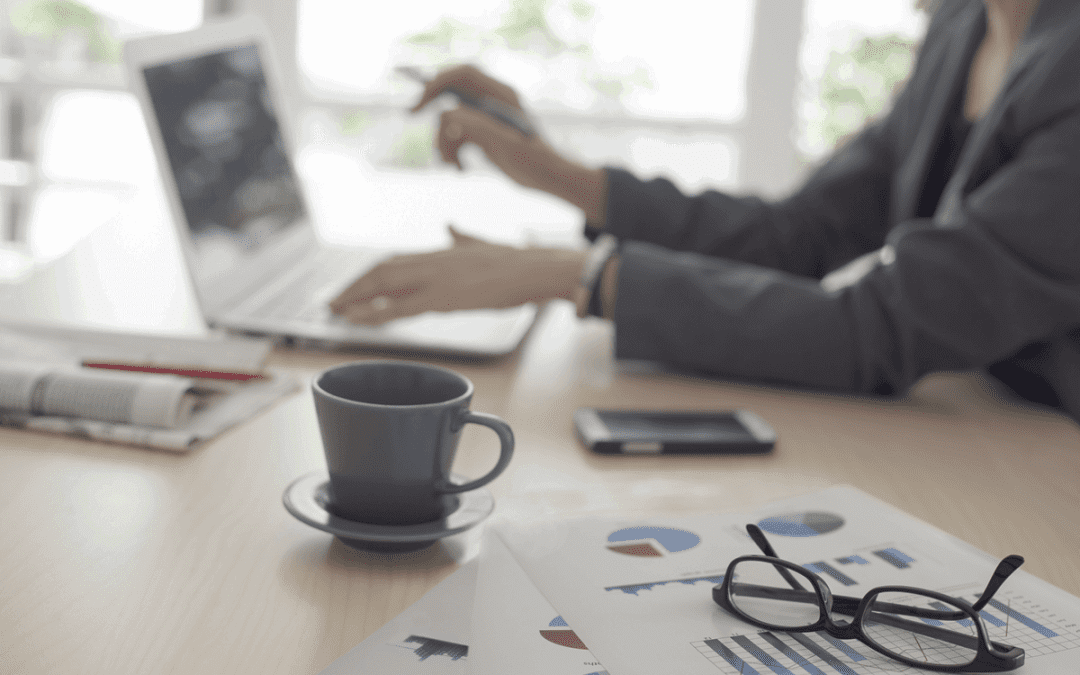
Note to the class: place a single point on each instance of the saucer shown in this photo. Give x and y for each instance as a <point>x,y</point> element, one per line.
<point>307,499</point>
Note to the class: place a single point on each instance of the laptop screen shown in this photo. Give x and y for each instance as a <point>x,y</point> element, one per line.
<point>225,149</point>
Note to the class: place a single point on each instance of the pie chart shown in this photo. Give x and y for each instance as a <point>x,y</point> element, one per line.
<point>651,541</point>
<point>808,524</point>
<point>559,633</point>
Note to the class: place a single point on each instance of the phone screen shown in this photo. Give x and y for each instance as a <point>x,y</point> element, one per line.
<point>676,427</point>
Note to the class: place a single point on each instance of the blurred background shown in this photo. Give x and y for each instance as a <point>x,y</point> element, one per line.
<point>740,95</point>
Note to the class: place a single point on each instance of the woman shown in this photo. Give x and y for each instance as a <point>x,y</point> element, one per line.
<point>944,236</point>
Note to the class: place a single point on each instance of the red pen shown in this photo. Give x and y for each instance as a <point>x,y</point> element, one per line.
<point>166,370</point>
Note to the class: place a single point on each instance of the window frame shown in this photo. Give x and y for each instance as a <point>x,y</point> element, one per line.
<point>767,160</point>
<point>764,138</point>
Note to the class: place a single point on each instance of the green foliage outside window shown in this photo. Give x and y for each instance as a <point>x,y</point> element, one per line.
<point>858,85</point>
<point>523,27</point>
<point>413,149</point>
<point>527,29</point>
<point>53,20</point>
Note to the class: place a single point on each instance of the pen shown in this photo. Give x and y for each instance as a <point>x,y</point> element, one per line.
<point>234,376</point>
<point>506,114</point>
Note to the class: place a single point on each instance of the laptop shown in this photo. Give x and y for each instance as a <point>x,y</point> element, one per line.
<point>212,104</point>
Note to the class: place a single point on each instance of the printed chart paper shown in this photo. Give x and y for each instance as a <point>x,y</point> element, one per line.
<point>515,629</point>
<point>638,592</point>
<point>431,637</point>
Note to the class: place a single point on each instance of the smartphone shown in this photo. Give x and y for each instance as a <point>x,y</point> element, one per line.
<point>656,432</point>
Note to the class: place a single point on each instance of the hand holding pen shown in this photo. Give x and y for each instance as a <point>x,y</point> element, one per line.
<point>474,273</point>
<point>476,90</point>
<point>491,117</point>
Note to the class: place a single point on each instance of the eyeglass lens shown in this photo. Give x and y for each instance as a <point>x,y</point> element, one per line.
<point>761,592</point>
<point>921,628</point>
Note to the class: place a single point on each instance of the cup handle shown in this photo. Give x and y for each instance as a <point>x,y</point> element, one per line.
<point>506,438</point>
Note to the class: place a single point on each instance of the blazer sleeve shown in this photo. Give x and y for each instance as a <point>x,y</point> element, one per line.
<point>841,212</point>
<point>1002,271</point>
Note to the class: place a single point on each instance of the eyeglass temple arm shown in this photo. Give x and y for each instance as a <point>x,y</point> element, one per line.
<point>1004,570</point>
<point>759,538</point>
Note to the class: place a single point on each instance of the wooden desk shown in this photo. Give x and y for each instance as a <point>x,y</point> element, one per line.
<point>120,560</point>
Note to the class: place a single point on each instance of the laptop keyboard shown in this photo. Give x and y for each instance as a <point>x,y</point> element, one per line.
<point>306,295</point>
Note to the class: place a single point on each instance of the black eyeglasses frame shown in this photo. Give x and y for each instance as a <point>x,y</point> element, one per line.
<point>990,656</point>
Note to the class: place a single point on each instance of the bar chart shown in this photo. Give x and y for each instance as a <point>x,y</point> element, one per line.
<point>822,567</point>
<point>1012,620</point>
<point>634,589</point>
<point>896,558</point>
<point>891,555</point>
<point>425,648</point>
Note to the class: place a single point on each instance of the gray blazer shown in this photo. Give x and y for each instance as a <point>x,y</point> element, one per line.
<point>731,285</point>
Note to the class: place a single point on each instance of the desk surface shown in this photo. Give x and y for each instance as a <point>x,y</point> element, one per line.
<point>121,560</point>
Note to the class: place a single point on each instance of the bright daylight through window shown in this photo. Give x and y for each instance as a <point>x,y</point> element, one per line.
<point>609,82</point>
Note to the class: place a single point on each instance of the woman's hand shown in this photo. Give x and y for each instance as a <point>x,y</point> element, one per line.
<point>471,274</point>
<point>527,160</point>
<point>473,82</point>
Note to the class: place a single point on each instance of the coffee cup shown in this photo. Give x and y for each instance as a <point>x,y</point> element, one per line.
<point>390,430</point>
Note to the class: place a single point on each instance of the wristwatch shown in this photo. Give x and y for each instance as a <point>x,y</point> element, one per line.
<point>585,296</point>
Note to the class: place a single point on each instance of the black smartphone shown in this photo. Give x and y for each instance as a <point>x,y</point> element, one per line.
<point>656,432</point>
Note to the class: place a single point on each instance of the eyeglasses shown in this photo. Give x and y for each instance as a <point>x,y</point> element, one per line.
<point>943,633</point>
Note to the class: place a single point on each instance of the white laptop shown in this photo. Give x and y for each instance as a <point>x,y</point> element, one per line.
<point>211,102</point>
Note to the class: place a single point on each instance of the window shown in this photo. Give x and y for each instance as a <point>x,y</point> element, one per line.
<point>853,57</point>
<point>668,105</point>
<point>701,93</point>
<point>73,139</point>
<point>607,80</point>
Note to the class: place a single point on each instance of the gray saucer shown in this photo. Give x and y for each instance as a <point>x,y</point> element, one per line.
<point>307,499</point>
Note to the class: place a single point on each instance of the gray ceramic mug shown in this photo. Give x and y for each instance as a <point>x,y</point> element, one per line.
<point>390,430</point>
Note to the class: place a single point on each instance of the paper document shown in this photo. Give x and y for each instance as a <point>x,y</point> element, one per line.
<point>57,345</point>
<point>44,387</point>
<point>638,591</point>
<point>515,629</point>
<point>431,637</point>
<point>71,391</point>
<point>140,411</point>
